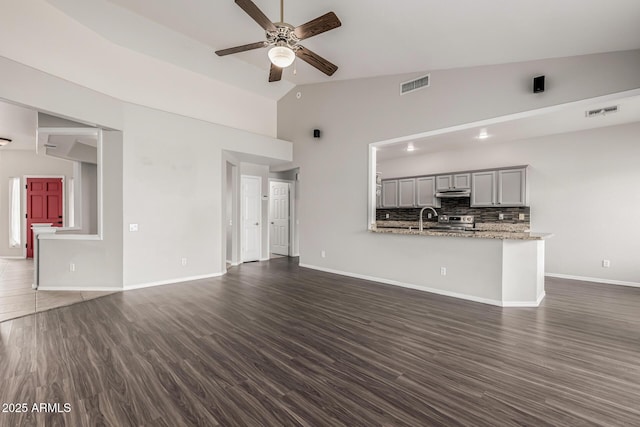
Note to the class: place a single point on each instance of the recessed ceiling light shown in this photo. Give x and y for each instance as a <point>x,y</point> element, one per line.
<point>410,147</point>
<point>483,134</point>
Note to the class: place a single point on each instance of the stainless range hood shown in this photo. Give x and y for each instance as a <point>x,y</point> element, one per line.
<point>447,194</point>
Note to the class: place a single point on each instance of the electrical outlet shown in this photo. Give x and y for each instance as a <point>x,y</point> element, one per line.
<point>387,216</point>
<point>184,262</point>
<point>133,227</point>
<point>72,267</point>
<point>443,271</point>
<point>606,263</point>
<point>500,216</point>
<point>429,215</point>
<point>323,254</point>
<point>521,217</point>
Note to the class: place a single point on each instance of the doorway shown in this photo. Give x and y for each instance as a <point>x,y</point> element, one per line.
<point>44,205</point>
<point>279,217</point>
<point>251,218</point>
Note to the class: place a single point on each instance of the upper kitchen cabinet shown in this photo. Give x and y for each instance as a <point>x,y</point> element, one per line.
<point>458,181</point>
<point>512,187</point>
<point>407,193</point>
<point>389,193</point>
<point>483,188</point>
<point>503,187</point>
<point>426,192</point>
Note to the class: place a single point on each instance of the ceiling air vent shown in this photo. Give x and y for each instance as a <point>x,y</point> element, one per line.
<point>602,111</point>
<point>414,85</point>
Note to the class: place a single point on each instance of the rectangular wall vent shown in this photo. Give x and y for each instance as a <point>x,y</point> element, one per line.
<point>602,111</point>
<point>413,85</point>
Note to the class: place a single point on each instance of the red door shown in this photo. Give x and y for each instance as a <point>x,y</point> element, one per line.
<point>44,205</point>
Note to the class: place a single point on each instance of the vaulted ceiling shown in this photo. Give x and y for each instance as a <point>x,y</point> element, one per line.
<point>376,38</point>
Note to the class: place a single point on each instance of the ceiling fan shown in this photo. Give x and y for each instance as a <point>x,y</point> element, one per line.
<point>283,39</point>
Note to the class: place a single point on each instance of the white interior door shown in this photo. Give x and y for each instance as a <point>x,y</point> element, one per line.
<point>279,217</point>
<point>251,217</point>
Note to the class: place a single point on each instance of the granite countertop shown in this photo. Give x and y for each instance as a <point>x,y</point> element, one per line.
<point>481,231</point>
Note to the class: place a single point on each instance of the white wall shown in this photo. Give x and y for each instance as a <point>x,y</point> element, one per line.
<point>40,36</point>
<point>352,114</point>
<point>173,188</point>
<point>98,262</point>
<point>580,191</point>
<point>166,177</point>
<point>18,163</point>
<point>89,198</point>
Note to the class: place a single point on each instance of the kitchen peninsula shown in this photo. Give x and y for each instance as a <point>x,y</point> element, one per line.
<point>503,268</point>
<point>478,238</point>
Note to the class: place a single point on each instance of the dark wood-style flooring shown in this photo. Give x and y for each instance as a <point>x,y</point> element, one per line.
<point>272,344</point>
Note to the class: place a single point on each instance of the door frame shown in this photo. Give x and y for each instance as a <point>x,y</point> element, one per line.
<point>259,178</point>
<point>292,214</point>
<point>232,257</point>
<point>24,205</point>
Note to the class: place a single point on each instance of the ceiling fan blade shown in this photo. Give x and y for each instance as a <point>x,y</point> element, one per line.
<point>275,73</point>
<point>326,22</point>
<point>252,10</point>
<point>242,48</point>
<point>316,60</point>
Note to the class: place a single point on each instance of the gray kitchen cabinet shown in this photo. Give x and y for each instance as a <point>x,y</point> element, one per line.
<point>390,193</point>
<point>462,181</point>
<point>502,187</point>
<point>426,192</point>
<point>407,193</point>
<point>512,187</point>
<point>458,181</point>
<point>483,188</point>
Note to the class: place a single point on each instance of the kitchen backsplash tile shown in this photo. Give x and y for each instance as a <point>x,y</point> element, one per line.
<point>459,206</point>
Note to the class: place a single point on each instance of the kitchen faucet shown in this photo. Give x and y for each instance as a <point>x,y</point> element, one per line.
<point>421,211</point>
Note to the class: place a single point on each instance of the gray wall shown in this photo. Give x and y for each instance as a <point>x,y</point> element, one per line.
<point>18,163</point>
<point>352,114</point>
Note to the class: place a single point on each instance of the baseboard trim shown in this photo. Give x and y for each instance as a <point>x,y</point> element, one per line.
<point>593,279</point>
<point>427,289</point>
<point>81,289</point>
<point>524,304</point>
<point>264,259</point>
<point>172,281</point>
<point>13,257</point>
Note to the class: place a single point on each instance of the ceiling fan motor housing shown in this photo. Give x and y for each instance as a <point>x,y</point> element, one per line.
<point>283,36</point>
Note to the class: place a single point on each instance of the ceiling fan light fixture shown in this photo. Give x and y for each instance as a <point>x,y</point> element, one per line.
<point>281,56</point>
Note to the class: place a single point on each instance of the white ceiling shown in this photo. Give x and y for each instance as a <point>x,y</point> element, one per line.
<point>559,120</point>
<point>19,124</point>
<point>384,37</point>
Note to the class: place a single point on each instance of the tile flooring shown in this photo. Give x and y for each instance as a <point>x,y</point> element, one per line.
<point>18,299</point>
